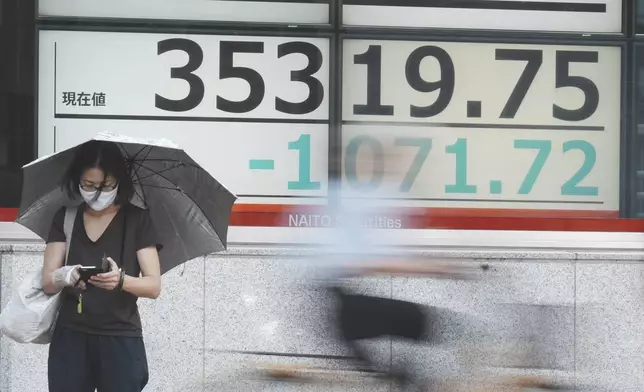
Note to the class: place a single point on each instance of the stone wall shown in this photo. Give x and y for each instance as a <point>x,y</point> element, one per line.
<point>586,310</point>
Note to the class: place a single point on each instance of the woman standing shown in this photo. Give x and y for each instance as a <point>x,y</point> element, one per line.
<point>97,342</point>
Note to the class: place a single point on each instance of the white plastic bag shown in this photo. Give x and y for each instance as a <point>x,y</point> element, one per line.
<point>30,315</point>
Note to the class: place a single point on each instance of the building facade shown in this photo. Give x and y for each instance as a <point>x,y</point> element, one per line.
<point>517,124</point>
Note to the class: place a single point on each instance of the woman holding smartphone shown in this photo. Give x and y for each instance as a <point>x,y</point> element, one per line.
<point>97,342</point>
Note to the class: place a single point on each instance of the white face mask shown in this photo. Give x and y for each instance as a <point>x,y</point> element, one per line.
<point>104,200</point>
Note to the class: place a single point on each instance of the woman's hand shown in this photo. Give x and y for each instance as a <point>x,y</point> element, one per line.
<point>81,285</point>
<point>107,280</point>
<point>68,275</point>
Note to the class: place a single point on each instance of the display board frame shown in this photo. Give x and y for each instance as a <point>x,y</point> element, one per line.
<point>337,33</point>
<point>636,29</point>
<point>625,136</point>
<point>636,167</point>
<point>187,23</point>
<point>268,33</point>
<point>475,30</point>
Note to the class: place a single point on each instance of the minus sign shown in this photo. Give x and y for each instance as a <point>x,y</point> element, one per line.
<point>261,164</point>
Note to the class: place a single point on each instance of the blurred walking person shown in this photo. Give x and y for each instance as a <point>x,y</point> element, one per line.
<point>352,251</point>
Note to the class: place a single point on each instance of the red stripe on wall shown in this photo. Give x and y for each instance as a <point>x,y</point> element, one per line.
<point>277,215</point>
<point>436,212</point>
<point>8,214</point>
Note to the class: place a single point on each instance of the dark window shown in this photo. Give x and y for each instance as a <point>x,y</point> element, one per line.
<point>17,76</point>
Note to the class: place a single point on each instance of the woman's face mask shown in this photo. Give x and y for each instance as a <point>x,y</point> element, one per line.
<point>103,201</point>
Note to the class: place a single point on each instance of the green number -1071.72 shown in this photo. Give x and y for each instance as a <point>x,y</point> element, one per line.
<point>459,149</point>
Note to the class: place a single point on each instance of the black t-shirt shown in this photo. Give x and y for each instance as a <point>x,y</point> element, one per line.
<point>105,312</point>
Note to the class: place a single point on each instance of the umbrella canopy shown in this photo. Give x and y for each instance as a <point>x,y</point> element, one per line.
<point>189,208</point>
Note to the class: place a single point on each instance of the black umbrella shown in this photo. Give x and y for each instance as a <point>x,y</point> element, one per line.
<point>189,208</point>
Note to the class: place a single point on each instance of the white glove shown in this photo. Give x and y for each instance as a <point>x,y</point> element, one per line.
<point>66,276</point>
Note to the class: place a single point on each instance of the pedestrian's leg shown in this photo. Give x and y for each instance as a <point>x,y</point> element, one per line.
<point>362,360</point>
<point>408,322</point>
<point>68,363</point>
<point>122,364</point>
<point>367,363</point>
<point>364,318</point>
<point>357,324</point>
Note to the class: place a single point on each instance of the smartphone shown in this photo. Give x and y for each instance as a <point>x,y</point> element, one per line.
<point>87,272</point>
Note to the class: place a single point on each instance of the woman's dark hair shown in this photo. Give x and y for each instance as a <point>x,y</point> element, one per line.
<point>101,155</point>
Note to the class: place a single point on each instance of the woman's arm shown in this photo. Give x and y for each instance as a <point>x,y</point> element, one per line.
<point>54,259</point>
<point>148,285</point>
<point>55,274</point>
